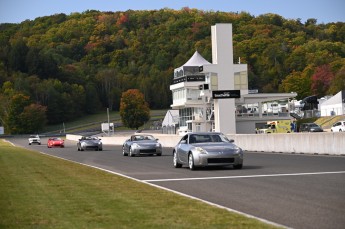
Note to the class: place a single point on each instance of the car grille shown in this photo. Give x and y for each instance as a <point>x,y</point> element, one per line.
<point>147,150</point>
<point>220,160</point>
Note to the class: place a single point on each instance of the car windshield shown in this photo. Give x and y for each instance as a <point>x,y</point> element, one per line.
<point>90,138</point>
<point>142,137</point>
<point>313,125</point>
<point>201,138</point>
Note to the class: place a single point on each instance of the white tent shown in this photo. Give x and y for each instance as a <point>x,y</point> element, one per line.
<point>191,66</point>
<point>170,122</point>
<point>334,106</point>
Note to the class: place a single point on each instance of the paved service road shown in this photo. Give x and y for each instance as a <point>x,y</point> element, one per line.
<point>298,191</point>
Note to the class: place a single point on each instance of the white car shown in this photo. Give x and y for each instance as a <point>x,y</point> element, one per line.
<point>338,126</point>
<point>34,139</point>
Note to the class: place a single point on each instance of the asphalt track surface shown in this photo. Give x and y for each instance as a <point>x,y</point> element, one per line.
<point>296,191</point>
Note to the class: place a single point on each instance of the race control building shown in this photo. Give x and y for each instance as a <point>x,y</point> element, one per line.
<point>215,96</point>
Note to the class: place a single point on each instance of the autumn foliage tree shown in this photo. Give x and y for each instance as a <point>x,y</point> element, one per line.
<point>33,118</point>
<point>20,116</point>
<point>321,80</point>
<point>134,110</point>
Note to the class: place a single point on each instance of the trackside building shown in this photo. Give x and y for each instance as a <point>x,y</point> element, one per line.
<point>215,96</point>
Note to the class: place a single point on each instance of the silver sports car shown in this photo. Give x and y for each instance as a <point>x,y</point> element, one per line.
<point>207,149</point>
<point>89,143</point>
<point>141,144</point>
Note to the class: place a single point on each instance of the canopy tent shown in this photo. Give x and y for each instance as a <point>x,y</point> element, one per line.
<point>191,66</point>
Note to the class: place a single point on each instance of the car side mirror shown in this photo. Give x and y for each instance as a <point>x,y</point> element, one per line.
<point>232,140</point>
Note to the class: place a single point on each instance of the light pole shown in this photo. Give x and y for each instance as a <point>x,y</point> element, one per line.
<point>108,122</point>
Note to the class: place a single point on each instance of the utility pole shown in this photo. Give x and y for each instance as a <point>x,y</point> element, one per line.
<point>108,122</point>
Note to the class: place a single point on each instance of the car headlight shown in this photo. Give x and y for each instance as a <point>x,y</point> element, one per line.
<point>238,151</point>
<point>200,150</point>
<point>158,145</point>
<point>135,145</point>
<point>99,143</point>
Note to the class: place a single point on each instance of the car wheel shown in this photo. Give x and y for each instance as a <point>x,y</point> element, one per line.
<point>29,143</point>
<point>238,166</point>
<point>340,130</point>
<point>131,152</point>
<point>176,164</point>
<point>123,151</point>
<point>159,154</point>
<point>191,162</point>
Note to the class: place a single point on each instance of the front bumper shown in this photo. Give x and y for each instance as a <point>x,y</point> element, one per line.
<point>91,146</point>
<point>148,150</point>
<point>203,160</point>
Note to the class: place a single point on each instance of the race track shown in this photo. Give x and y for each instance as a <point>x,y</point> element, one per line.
<point>298,191</point>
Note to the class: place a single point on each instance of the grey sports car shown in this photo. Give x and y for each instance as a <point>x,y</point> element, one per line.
<point>89,143</point>
<point>207,149</point>
<point>141,144</point>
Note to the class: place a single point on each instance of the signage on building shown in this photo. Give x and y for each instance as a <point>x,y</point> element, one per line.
<point>190,78</point>
<point>195,78</point>
<point>226,94</point>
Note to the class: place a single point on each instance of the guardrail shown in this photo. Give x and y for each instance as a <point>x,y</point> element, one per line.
<point>301,143</point>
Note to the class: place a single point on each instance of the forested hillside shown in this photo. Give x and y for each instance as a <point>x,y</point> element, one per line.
<point>66,66</point>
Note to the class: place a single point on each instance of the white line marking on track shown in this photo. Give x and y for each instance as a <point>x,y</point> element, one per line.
<point>248,176</point>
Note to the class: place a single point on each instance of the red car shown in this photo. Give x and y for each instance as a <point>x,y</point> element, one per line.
<point>52,142</point>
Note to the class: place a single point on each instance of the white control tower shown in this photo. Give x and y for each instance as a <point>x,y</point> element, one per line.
<point>223,66</point>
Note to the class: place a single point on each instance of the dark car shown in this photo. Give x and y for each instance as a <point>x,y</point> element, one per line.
<point>92,143</point>
<point>310,127</point>
<point>207,149</point>
<point>140,144</point>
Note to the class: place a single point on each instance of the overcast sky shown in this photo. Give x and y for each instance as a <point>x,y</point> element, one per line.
<point>325,11</point>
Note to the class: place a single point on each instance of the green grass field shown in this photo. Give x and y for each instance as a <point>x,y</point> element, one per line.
<point>95,120</point>
<point>39,191</point>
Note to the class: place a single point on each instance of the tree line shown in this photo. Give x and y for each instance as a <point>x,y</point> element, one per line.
<point>66,66</point>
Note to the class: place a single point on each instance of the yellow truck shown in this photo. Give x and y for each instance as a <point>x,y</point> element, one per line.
<point>279,126</point>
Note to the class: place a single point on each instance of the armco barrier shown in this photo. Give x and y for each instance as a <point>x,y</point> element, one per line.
<point>308,143</point>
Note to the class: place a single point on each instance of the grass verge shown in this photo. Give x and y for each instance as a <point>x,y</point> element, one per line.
<point>39,191</point>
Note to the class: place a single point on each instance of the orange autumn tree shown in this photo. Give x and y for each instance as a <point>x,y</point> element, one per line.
<point>134,110</point>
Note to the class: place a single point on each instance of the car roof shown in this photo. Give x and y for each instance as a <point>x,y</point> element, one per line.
<point>208,133</point>
<point>141,134</point>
